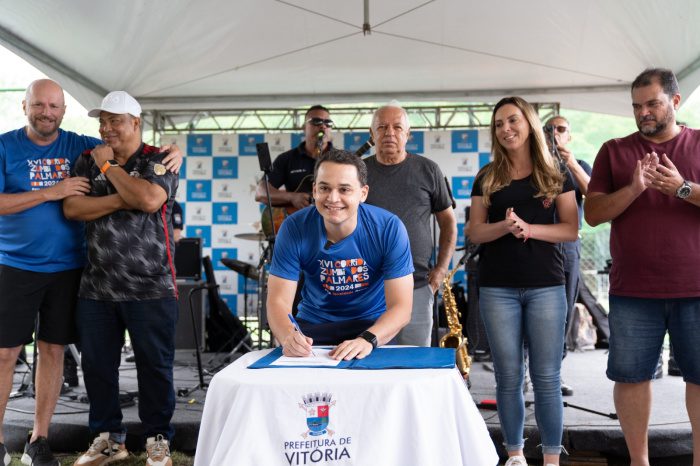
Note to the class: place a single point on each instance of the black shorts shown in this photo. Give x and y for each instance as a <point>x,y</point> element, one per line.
<point>24,294</point>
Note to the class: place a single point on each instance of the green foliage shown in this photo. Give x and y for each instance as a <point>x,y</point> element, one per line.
<point>590,130</point>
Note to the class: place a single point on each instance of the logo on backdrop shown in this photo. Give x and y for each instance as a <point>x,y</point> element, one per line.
<point>226,167</point>
<point>415,143</point>
<point>199,190</point>
<point>199,144</point>
<point>462,186</point>
<point>465,140</point>
<point>247,142</point>
<point>354,140</point>
<point>321,446</point>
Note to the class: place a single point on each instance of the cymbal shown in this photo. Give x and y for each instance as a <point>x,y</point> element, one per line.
<point>244,268</point>
<point>259,236</point>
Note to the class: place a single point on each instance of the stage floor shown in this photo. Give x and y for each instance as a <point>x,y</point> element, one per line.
<point>589,438</point>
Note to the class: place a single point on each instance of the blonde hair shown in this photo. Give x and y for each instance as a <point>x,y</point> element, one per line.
<point>546,173</point>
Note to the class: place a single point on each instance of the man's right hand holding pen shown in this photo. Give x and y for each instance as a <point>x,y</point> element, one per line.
<point>296,344</point>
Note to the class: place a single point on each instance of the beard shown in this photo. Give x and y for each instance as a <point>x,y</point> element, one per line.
<point>41,130</point>
<point>661,125</point>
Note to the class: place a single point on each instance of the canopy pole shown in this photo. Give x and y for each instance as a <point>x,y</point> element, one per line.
<point>366,28</point>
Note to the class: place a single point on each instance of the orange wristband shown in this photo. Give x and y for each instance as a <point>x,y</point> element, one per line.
<point>105,166</point>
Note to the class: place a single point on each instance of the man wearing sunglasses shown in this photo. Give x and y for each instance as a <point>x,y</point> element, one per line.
<point>581,175</point>
<point>294,169</point>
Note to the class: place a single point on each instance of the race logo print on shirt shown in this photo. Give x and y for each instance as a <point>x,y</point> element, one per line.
<point>345,276</point>
<point>47,172</point>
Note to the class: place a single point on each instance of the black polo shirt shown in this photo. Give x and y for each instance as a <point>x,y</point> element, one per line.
<point>130,251</point>
<point>294,170</point>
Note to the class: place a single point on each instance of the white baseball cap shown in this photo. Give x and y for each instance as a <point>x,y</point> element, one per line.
<point>119,103</point>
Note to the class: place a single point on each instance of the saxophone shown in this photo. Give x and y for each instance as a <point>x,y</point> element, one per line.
<point>454,337</point>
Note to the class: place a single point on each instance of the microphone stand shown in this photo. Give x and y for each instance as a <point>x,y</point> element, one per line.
<point>569,405</point>
<point>552,142</point>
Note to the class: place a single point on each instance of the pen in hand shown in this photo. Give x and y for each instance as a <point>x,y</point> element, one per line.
<point>296,327</point>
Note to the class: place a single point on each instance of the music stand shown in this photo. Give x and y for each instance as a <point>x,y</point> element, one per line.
<point>247,271</point>
<point>265,162</point>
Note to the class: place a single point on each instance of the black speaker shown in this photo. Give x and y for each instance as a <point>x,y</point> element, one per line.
<point>188,259</point>
<point>184,334</point>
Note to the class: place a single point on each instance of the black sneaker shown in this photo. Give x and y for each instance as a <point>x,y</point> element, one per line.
<point>673,368</point>
<point>38,453</point>
<point>4,455</point>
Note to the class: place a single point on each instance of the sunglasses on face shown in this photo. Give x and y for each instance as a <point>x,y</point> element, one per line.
<point>561,129</point>
<point>316,121</point>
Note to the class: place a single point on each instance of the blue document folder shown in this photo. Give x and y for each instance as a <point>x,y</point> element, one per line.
<point>380,358</point>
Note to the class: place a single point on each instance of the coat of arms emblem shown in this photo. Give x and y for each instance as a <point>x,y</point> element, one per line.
<point>317,407</point>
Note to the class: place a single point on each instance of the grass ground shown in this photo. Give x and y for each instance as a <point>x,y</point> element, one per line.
<point>179,459</point>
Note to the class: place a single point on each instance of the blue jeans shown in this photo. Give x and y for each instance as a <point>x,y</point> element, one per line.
<point>637,330</point>
<point>151,326</point>
<point>510,316</point>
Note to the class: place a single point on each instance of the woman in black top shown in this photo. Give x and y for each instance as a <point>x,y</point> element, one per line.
<point>521,274</point>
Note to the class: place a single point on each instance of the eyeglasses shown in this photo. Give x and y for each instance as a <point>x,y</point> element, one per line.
<point>559,128</point>
<point>316,121</point>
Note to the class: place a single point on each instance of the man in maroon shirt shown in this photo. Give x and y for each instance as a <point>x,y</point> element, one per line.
<point>646,184</point>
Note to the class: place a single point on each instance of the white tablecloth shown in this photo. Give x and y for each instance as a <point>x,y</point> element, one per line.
<point>420,417</point>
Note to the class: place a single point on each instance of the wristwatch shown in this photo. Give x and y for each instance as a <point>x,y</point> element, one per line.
<point>684,190</point>
<point>370,337</point>
<point>108,164</point>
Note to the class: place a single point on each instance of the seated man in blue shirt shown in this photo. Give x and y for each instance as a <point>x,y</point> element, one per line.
<point>357,266</point>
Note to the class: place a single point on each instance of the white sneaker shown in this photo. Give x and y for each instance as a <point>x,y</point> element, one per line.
<point>102,451</point>
<point>4,455</point>
<point>516,461</point>
<point>158,451</point>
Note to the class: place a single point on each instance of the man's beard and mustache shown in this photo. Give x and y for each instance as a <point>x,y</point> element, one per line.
<point>660,125</point>
<point>34,123</point>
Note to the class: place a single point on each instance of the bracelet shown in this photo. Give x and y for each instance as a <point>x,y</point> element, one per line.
<point>528,234</point>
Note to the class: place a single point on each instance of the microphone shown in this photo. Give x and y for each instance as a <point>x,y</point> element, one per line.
<point>319,141</point>
<point>328,245</point>
<point>364,147</point>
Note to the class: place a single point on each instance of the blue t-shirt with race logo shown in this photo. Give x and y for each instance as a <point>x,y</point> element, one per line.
<point>346,280</point>
<point>40,239</point>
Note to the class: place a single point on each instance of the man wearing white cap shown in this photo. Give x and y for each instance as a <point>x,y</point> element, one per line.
<point>128,282</point>
<point>40,272</point>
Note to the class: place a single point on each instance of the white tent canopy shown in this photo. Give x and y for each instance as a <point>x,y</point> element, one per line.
<point>208,54</point>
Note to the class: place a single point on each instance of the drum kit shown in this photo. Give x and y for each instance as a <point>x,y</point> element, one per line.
<point>257,273</point>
